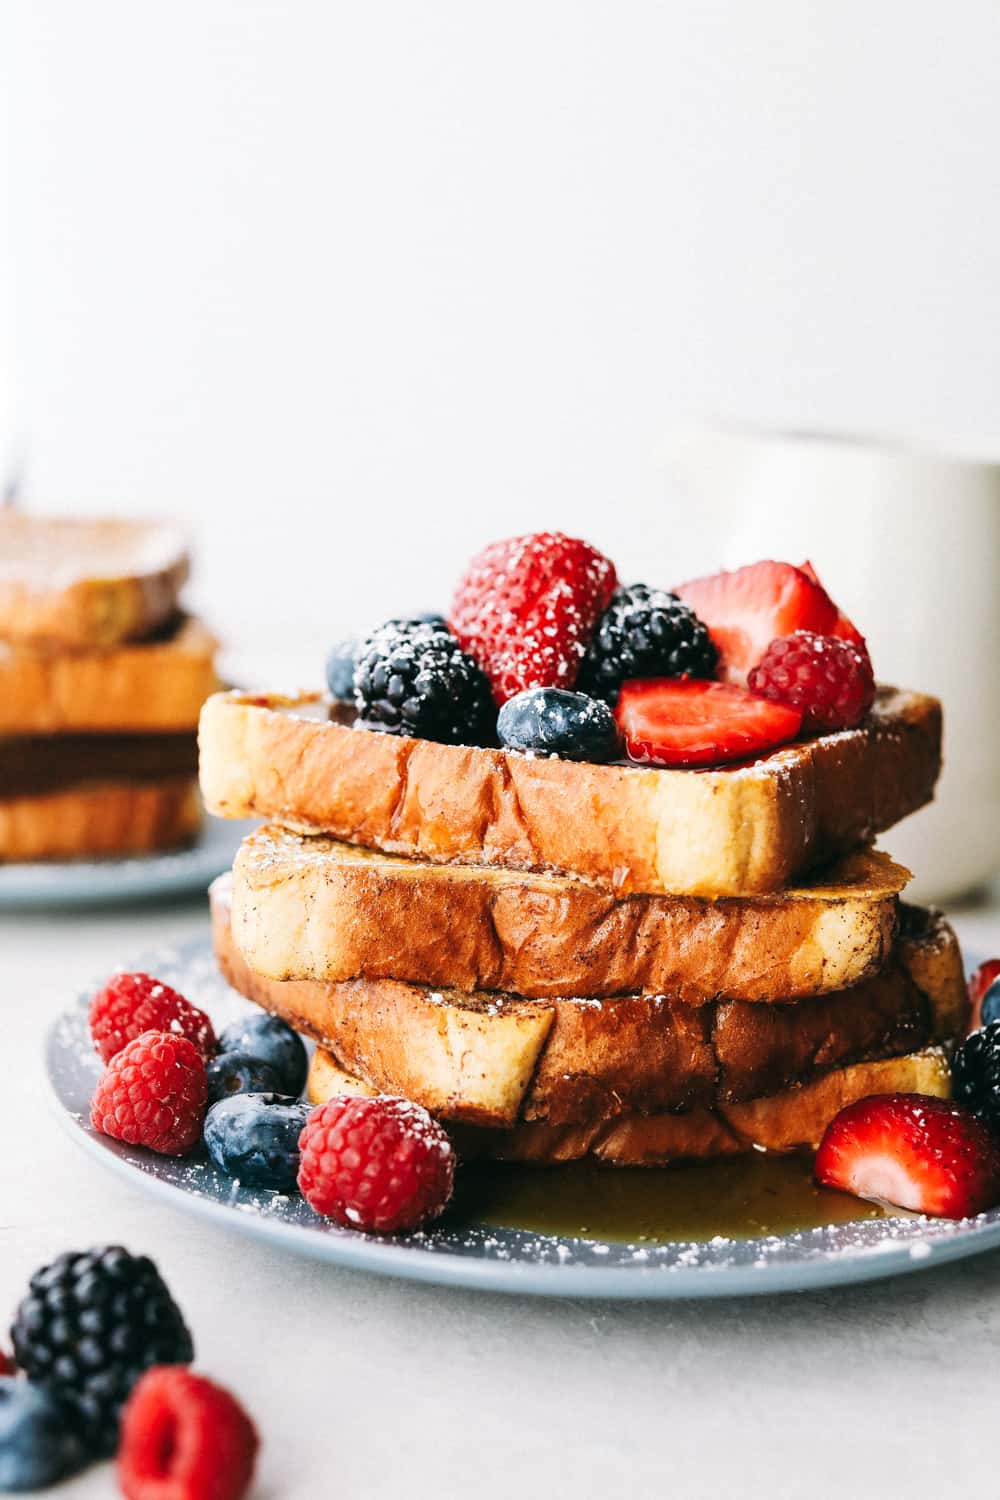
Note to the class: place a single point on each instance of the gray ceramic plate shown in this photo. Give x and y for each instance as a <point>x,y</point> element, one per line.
<point>477,1255</point>
<point>102,882</point>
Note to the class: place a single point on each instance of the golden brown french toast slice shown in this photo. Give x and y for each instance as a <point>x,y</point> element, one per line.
<point>86,583</point>
<point>155,686</point>
<point>100,818</point>
<point>493,1058</point>
<point>796,1117</point>
<point>732,832</point>
<point>314,908</point>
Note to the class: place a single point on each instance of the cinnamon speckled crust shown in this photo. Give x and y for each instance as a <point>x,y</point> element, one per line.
<point>310,908</point>
<point>86,584</point>
<point>796,1117</point>
<point>732,832</point>
<point>100,818</point>
<point>492,1059</point>
<point>150,687</point>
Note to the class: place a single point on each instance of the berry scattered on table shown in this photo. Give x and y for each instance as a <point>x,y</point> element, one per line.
<point>526,608</point>
<point>415,679</point>
<point>975,1073</point>
<point>340,670</point>
<point>830,680</point>
<point>676,721</point>
<point>154,1094</point>
<point>272,1041</point>
<point>185,1438</point>
<point>130,1004</point>
<point>237,1073</point>
<point>255,1137</point>
<point>925,1154</point>
<point>747,609</point>
<point>553,721</point>
<point>90,1324</point>
<point>645,632</point>
<point>380,1164</point>
<point>39,1442</point>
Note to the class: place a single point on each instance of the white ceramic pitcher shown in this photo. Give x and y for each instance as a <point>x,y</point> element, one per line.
<point>907,540</point>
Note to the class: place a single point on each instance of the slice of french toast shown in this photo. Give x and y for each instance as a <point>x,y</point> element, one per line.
<point>737,831</point>
<point>155,686</point>
<point>492,1059</point>
<point>86,583</point>
<point>796,1117</point>
<point>100,818</point>
<point>313,908</point>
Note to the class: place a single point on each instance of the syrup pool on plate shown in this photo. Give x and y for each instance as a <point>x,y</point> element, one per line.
<point>743,1197</point>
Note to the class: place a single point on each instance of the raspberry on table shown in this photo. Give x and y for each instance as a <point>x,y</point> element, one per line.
<point>830,680</point>
<point>185,1438</point>
<point>154,1094</point>
<point>526,609</point>
<point>91,1323</point>
<point>130,1004</point>
<point>379,1164</point>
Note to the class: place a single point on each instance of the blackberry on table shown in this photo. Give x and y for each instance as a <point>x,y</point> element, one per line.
<point>414,678</point>
<point>91,1323</point>
<point>645,632</point>
<point>975,1074</point>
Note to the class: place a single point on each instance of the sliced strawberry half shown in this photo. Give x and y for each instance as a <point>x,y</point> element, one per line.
<point>913,1151</point>
<point>843,627</point>
<point>749,608</point>
<point>683,721</point>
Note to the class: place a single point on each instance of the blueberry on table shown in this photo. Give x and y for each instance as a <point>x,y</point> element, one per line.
<point>553,721</point>
<point>272,1041</point>
<point>340,670</point>
<point>238,1073</point>
<point>39,1445</point>
<point>255,1137</point>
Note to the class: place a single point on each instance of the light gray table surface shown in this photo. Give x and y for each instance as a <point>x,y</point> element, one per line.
<point>364,1387</point>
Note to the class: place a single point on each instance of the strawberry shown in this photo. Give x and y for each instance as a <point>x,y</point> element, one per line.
<point>979,983</point>
<point>843,628</point>
<point>683,721</point>
<point>925,1154</point>
<point>525,610</point>
<point>747,609</point>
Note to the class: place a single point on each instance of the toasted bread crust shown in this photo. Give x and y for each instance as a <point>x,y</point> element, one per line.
<point>738,831</point>
<point>580,1060</point>
<point>794,1118</point>
<point>310,908</point>
<point>149,687</point>
<point>100,818</point>
<point>86,584</point>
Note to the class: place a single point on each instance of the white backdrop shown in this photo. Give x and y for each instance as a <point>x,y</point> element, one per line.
<point>356,287</point>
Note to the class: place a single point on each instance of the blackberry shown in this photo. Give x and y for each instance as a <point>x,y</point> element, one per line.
<point>91,1323</point>
<point>412,677</point>
<point>645,632</point>
<point>975,1074</point>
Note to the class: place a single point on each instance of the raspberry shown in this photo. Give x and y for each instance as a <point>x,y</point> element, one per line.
<point>526,609</point>
<point>7,1365</point>
<point>184,1438</point>
<point>830,680</point>
<point>153,1094</point>
<point>376,1164</point>
<point>130,1004</point>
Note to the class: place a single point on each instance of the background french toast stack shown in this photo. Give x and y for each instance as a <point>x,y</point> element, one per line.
<point>102,677</point>
<point>636,915</point>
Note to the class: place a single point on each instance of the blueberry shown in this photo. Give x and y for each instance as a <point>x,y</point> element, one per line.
<point>38,1445</point>
<point>272,1041</point>
<point>238,1073</point>
<point>255,1137</point>
<point>991,1004</point>
<point>340,670</point>
<point>555,722</point>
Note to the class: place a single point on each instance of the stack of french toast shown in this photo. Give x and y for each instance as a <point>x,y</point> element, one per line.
<point>102,676</point>
<point>587,870</point>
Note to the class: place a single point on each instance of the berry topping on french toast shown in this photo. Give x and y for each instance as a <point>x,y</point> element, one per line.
<point>975,1071</point>
<point>526,609</point>
<point>685,722</point>
<point>747,609</point>
<point>915,1152</point>
<point>829,679</point>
